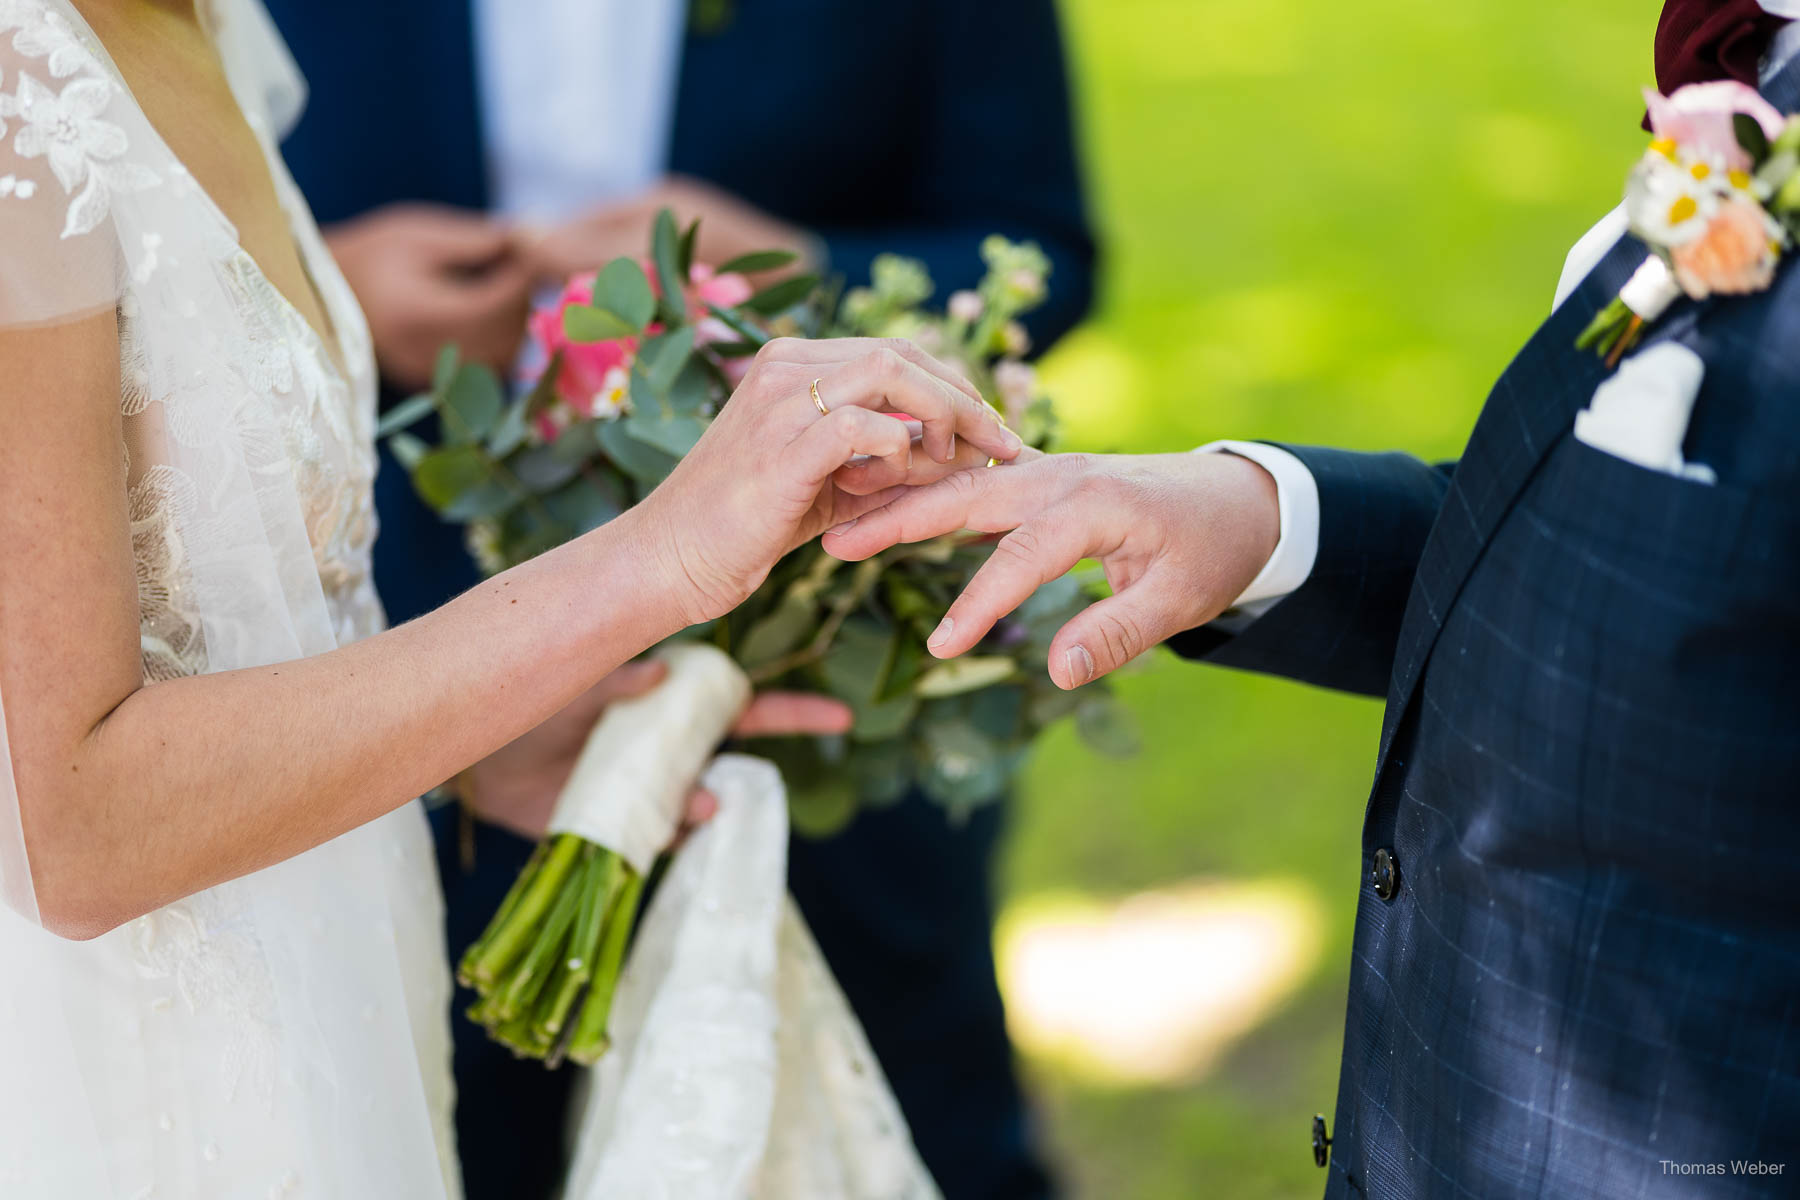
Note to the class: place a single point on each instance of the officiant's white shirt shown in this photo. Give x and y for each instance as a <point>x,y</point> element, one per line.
<point>578,98</point>
<point>1298,494</point>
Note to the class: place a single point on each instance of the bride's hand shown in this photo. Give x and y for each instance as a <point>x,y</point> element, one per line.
<point>517,786</point>
<point>770,472</point>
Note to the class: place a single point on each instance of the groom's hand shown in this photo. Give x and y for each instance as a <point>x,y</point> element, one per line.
<point>517,786</point>
<point>1180,535</point>
<point>729,227</point>
<point>427,276</point>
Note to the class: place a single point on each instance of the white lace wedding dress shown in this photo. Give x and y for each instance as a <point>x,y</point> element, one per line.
<point>284,1035</point>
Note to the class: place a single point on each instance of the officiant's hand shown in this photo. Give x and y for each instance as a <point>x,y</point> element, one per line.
<point>729,227</point>
<point>517,786</point>
<point>1180,535</point>
<point>427,276</point>
<point>769,473</point>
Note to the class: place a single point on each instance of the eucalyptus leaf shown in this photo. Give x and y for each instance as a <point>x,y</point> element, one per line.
<point>784,630</point>
<point>444,474</point>
<point>689,239</point>
<point>510,432</point>
<point>779,297</point>
<point>664,356</point>
<point>444,368</point>
<point>665,252</point>
<point>694,388</point>
<point>408,412</point>
<point>542,468</point>
<point>671,433</point>
<point>472,403</point>
<point>489,498</point>
<point>584,323</point>
<point>622,290</point>
<point>858,661</point>
<point>758,260</point>
<point>879,720</point>
<point>583,504</point>
<point>408,450</point>
<point>640,460</point>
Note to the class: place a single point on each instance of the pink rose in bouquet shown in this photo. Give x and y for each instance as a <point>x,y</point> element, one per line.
<point>593,378</point>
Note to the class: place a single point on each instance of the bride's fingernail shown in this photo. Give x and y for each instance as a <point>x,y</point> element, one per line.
<point>845,527</point>
<point>942,633</point>
<point>1013,440</point>
<point>1081,665</point>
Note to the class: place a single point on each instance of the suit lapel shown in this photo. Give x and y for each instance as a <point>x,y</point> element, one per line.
<point>1534,402</point>
<point>1531,408</point>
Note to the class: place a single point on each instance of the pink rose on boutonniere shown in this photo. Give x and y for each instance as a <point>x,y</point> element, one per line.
<point>1714,197</point>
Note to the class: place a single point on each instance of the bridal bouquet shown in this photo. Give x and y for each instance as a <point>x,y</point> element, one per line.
<point>624,371</point>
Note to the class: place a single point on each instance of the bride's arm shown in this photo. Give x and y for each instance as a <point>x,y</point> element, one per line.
<point>132,796</point>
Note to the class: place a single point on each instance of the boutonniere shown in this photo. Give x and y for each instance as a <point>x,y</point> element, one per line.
<point>1716,197</point>
<point>710,17</point>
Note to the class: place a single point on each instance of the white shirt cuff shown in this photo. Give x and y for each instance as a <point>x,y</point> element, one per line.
<point>1292,562</point>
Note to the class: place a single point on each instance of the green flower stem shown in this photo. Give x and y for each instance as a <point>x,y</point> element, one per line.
<point>503,945</point>
<point>590,1041</point>
<point>545,955</point>
<point>465,972</point>
<point>584,945</point>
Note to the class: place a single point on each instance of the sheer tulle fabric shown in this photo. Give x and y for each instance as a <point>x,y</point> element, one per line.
<point>284,1034</point>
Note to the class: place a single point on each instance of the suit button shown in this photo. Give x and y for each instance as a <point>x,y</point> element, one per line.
<point>1385,874</point>
<point>1321,1143</point>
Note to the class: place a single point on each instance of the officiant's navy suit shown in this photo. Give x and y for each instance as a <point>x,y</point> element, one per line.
<point>914,128</point>
<point>1577,949</point>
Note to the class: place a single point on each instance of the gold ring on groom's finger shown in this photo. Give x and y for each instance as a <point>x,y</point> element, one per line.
<point>817,402</point>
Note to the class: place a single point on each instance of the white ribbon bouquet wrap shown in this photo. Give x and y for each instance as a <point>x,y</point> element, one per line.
<point>736,1068</point>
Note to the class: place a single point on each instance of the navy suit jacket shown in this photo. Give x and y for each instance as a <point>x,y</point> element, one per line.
<point>1577,950</point>
<point>918,129</point>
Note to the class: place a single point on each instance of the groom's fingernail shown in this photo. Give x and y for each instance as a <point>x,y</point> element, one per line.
<point>1081,665</point>
<point>1014,442</point>
<point>845,527</point>
<point>942,633</point>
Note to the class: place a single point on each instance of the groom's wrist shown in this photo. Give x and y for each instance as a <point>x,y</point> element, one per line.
<point>1297,546</point>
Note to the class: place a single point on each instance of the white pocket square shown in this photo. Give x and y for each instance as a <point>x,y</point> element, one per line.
<point>1641,413</point>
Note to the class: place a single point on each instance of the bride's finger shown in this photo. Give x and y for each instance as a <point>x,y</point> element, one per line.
<point>837,351</point>
<point>876,475</point>
<point>887,382</point>
<point>833,440</point>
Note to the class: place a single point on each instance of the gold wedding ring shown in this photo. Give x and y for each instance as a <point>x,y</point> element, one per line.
<point>818,403</point>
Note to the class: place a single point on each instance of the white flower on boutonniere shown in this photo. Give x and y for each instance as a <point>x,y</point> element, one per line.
<point>1716,197</point>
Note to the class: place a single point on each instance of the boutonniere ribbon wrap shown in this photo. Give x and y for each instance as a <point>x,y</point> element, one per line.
<point>1716,197</point>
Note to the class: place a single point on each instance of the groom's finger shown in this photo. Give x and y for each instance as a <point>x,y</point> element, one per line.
<point>991,500</point>
<point>1022,562</point>
<point>876,475</point>
<point>1112,632</point>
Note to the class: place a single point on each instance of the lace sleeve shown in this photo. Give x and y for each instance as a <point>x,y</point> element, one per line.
<point>63,159</point>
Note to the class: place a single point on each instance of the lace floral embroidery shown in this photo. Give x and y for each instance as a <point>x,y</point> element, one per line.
<point>66,128</point>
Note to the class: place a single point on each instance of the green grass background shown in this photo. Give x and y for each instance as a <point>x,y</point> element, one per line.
<point>1323,222</point>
